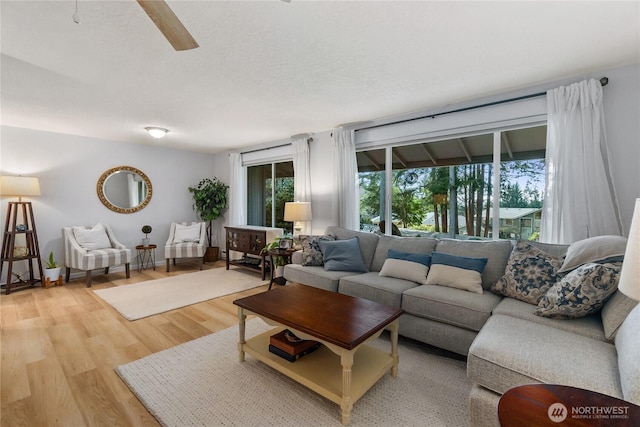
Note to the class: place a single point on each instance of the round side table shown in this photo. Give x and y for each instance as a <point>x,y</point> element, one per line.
<point>146,255</point>
<point>284,253</point>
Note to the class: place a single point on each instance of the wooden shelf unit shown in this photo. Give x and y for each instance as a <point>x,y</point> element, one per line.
<point>9,245</point>
<point>250,240</point>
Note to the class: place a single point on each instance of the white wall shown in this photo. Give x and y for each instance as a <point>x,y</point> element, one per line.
<point>69,167</point>
<point>622,118</point>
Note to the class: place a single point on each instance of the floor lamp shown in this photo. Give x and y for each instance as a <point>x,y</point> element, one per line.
<point>20,186</point>
<point>630,275</point>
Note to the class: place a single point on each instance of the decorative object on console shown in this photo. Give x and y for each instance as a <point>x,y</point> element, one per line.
<point>210,202</point>
<point>630,275</point>
<point>20,186</point>
<point>146,229</point>
<point>297,212</point>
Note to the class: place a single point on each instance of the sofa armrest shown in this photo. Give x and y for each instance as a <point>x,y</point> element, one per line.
<point>296,257</point>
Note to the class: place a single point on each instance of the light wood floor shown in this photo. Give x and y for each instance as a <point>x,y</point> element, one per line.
<point>60,346</point>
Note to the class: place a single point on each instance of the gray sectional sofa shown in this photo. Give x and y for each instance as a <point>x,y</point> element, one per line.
<point>506,344</point>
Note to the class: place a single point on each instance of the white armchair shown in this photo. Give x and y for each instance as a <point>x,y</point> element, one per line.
<point>186,240</point>
<point>91,248</point>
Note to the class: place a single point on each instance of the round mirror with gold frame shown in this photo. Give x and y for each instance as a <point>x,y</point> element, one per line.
<point>124,189</point>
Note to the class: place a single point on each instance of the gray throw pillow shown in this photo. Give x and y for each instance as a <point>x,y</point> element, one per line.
<point>529,274</point>
<point>311,253</point>
<point>599,249</point>
<point>614,312</point>
<point>581,292</point>
<point>342,255</point>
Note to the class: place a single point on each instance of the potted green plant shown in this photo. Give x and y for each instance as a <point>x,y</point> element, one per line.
<point>210,202</point>
<point>278,261</point>
<point>146,229</point>
<point>52,269</point>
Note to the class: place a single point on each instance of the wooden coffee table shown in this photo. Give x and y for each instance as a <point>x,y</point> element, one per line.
<point>344,368</point>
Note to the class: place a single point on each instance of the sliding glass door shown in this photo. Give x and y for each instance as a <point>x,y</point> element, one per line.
<point>269,186</point>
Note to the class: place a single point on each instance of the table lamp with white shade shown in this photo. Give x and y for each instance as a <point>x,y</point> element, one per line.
<point>629,283</point>
<point>297,212</point>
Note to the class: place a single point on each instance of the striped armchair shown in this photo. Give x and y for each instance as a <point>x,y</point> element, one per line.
<point>91,248</point>
<point>186,240</point>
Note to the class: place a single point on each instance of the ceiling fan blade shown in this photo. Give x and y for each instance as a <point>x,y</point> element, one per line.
<point>169,24</point>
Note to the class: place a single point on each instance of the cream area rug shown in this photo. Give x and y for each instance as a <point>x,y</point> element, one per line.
<point>157,296</point>
<point>202,383</point>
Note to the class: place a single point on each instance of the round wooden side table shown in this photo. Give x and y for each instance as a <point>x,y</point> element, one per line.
<point>284,253</point>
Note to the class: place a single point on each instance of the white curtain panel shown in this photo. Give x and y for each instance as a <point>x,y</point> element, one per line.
<point>238,191</point>
<point>346,182</point>
<point>579,200</point>
<point>302,177</point>
<point>301,173</point>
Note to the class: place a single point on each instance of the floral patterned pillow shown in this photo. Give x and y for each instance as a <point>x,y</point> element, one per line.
<point>581,292</point>
<point>529,274</point>
<point>311,253</point>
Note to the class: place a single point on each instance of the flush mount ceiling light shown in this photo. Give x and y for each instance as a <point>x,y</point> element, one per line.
<point>157,132</point>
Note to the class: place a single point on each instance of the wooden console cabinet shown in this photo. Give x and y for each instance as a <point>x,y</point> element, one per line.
<point>250,240</point>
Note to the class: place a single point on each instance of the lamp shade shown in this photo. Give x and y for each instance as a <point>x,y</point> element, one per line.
<point>630,275</point>
<point>19,186</point>
<point>297,211</point>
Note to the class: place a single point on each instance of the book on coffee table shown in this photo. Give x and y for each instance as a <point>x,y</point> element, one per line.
<point>292,357</point>
<point>289,346</point>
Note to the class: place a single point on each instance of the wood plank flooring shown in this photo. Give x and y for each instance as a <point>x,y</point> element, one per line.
<point>59,348</point>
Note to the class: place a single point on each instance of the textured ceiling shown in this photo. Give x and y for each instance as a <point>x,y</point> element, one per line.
<point>266,70</point>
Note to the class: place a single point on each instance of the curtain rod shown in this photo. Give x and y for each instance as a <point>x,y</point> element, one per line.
<point>603,81</point>
<point>309,140</point>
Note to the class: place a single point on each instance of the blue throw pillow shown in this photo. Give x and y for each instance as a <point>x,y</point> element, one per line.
<point>342,255</point>
<point>456,272</point>
<point>405,265</point>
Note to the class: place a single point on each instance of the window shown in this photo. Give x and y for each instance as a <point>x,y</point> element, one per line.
<point>448,186</point>
<point>266,184</point>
